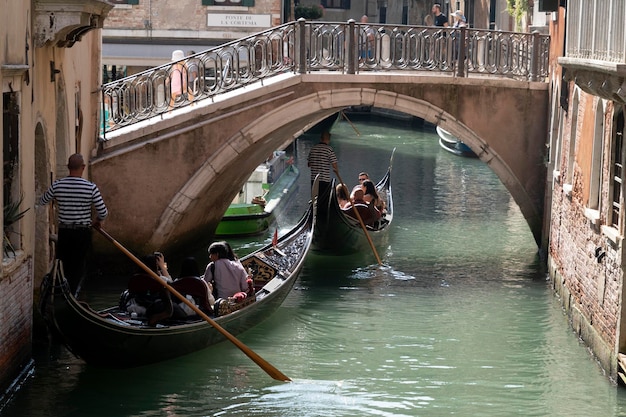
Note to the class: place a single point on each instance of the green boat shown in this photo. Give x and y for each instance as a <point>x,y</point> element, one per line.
<point>254,208</point>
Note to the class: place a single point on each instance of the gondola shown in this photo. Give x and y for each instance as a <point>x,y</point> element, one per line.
<point>338,233</point>
<point>116,338</point>
<point>453,145</point>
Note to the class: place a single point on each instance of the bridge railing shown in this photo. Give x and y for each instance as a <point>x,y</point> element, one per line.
<point>302,47</point>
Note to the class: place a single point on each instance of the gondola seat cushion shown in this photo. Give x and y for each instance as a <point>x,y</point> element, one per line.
<point>198,289</point>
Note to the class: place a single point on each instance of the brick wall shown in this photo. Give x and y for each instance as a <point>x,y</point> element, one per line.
<point>16,312</point>
<point>590,289</point>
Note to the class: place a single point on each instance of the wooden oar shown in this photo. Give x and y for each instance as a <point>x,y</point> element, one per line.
<point>343,114</point>
<point>358,216</point>
<point>266,366</point>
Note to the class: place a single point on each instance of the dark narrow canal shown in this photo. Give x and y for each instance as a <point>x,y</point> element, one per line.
<point>460,320</point>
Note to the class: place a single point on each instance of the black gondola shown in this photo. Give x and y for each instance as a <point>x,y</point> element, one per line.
<point>336,232</point>
<point>115,338</point>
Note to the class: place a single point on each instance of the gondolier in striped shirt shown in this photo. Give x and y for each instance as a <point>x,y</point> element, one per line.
<point>75,197</point>
<point>321,160</point>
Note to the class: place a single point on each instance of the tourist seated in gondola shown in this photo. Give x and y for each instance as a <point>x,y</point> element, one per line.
<point>225,273</point>
<point>145,296</point>
<point>368,213</point>
<point>194,288</point>
<point>371,195</point>
<point>342,196</point>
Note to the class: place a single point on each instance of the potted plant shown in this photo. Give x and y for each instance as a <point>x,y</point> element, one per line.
<point>12,214</point>
<point>309,12</point>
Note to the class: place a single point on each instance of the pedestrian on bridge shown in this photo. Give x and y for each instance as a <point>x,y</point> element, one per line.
<point>459,19</point>
<point>440,18</point>
<point>75,197</point>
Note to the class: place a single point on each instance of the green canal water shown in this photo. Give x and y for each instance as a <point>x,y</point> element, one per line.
<point>460,319</point>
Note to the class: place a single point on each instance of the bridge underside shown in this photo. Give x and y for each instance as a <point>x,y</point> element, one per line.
<point>168,182</point>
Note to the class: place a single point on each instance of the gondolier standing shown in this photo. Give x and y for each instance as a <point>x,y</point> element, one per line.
<point>321,160</point>
<point>75,197</point>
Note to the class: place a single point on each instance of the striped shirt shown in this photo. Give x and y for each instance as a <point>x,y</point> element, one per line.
<point>75,196</point>
<point>321,160</point>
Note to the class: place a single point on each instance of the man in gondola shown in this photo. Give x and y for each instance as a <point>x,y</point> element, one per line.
<point>322,160</point>
<point>75,197</point>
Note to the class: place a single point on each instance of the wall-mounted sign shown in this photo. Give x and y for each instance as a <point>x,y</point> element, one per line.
<point>239,20</point>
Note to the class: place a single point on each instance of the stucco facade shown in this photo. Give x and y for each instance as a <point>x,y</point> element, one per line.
<point>49,60</point>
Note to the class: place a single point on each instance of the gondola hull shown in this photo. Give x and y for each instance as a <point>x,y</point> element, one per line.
<point>339,234</point>
<point>108,338</point>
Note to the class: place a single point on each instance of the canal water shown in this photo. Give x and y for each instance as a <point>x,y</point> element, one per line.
<point>459,319</point>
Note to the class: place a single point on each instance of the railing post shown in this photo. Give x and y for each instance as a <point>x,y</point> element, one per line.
<point>351,47</point>
<point>460,58</point>
<point>535,56</point>
<point>104,116</point>
<point>301,46</point>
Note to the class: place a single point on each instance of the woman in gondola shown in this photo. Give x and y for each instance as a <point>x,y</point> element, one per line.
<point>342,196</point>
<point>371,195</point>
<point>227,275</point>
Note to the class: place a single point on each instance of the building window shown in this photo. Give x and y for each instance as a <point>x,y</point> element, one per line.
<point>556,136</point>
<point>595,181</point>
<point>246,3</point>
<point>336,4</point>
<point>124,1</point>
<point>618,169</point>
<point>571,152</point>
<point>11,171</point>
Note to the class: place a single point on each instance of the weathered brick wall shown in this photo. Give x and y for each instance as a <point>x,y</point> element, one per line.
<point>16,303</point>
<point>591,289</point>
<point>180,15</point>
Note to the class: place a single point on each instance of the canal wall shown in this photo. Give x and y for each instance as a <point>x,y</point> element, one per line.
<point>16,300</point>
<point>585,250</point>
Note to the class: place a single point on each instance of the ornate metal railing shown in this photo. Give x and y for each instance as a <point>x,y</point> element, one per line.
<point>302,47</point>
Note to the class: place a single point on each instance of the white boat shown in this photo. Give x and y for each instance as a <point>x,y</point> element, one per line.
<point>452,144</point>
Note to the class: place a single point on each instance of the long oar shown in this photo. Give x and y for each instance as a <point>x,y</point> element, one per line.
<point>358,216</point>
<point>266,366</point>
<point>343,114</point>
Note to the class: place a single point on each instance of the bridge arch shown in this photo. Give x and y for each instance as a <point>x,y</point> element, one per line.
<point>248,147</point>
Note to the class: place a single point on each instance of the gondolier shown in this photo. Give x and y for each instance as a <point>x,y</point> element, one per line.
<point>75,197</point>
<point>321,160</point>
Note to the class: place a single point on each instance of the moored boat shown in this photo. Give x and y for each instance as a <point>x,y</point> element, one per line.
<point>336,232</point>
<point>114,337</point>
<point>452,144</point>
<point>254,208</point>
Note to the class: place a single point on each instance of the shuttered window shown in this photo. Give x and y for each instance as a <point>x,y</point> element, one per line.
<point>618,170</point>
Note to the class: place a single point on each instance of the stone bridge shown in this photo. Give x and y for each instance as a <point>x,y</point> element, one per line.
<point>169,177</point>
